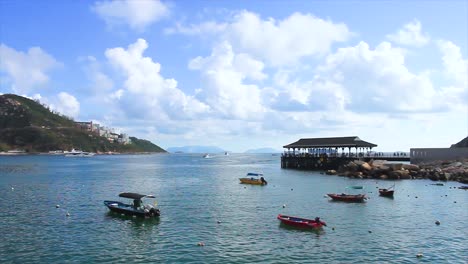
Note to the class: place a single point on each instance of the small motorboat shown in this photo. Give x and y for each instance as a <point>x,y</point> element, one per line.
<point>137,208</point>
<point>386,192</point>
<point>254,178</point>
<point>464,187</point>
<point>352,198</point>
<point>301,222</point>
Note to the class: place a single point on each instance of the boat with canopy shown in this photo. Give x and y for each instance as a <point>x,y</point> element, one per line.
<point>138,208</point>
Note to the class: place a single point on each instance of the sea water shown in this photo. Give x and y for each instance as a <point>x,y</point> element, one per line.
<point>203,203</point>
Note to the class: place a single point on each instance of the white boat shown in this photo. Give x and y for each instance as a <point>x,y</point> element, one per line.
<point>206,156</point>
<point>78,153</point>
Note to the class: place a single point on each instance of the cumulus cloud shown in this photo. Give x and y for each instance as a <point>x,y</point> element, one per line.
<point>410,35</point>
<point>223,76</point>
<point>278,42</point>
<point>456,71</point>
<point>145,91</point>
<point>377,80</point>
<point>137,14</point>
<point>63,103</point>
<point>26,71</point>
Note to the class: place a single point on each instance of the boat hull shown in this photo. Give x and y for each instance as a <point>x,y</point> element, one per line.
<point>350,198</point>
<point>251,181</point>
<point>300,222</point>
<point>127,209</point>
<point>386,193</point>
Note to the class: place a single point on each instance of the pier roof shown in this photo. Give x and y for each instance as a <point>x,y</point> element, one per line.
<point>332,142</point>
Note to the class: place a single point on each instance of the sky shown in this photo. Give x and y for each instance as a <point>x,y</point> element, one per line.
<point>243,75</point>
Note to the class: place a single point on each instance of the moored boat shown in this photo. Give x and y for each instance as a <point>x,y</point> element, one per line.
<point>137,208</point>
<point>353,198</point>
<point>301,222</point>
<point>78,153</point>
<point>254,178</point>
<point>387,192</point>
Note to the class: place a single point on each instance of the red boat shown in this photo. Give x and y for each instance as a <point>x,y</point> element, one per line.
<point>301,222</point>
<point>352,198</point>
<point>386,192</point>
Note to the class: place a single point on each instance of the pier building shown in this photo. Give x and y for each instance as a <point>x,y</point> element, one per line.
<point>330,153</point>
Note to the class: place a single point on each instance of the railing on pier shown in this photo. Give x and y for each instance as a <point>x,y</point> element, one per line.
<point>308,161</point>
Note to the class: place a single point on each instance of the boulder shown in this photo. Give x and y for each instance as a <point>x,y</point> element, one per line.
<point>366,167</point>
<point>383,177</point>
<point>411,167</point>
<point>330,172</point>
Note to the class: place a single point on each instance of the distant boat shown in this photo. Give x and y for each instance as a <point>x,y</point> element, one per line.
<point>254,178</point>
<point>353,198</point>
<point>301,222</point>
<point>226,154</point>
<point>14,152</point>
<point>78,153</point>
<point>206,156</point>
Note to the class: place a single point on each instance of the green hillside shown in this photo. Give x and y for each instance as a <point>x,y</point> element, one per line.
<point>27,124</point>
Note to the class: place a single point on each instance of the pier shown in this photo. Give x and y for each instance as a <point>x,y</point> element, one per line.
<point>331,153</point>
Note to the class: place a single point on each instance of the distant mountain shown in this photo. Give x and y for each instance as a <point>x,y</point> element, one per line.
<point>462,144</point>
<point>28,125</point>
<point>263,150</point>
<point>195,149</point>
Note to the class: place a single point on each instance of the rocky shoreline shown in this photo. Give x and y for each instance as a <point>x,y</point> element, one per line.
<point>455,170</point>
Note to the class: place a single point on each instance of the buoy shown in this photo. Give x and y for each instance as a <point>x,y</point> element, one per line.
<point>419,255</point>
<point>454,201</point>
<point>333,228</point>
<point>57,206</point>
<point>68,214</point>
<point>12,188</point>
<point>415,197</point>
<point>291,189</point>
<point>437,222</point>
<point>370,231</point>
<point>284,205</point>
<point>201,244</point>
<point>219,222</point>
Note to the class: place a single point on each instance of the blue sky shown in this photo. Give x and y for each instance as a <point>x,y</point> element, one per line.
<point>246,74</point>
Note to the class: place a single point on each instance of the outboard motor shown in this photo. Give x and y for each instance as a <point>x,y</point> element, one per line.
<point>263,180</point>
<point>154,212</point>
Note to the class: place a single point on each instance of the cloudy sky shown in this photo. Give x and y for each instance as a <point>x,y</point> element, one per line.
<point>246,74</point>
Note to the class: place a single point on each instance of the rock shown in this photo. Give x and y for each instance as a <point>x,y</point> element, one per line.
<point>411,167</point>
<point>330,172</point>
<point>383,177</point>
<point>366,167</point>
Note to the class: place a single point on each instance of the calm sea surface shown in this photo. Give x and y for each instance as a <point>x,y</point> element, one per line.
<point>194,193</point>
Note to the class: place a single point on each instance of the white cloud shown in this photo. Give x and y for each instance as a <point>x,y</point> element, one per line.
<point>455,66</point>
<point>379,81</point>
<point>26,71</point>
<point>278,42</point>
<point>456,71</point>
<point>145,91</point>
<point>223,88</point>
<point>410,35</point>
<point>64,103</point>
<point>137,14</point>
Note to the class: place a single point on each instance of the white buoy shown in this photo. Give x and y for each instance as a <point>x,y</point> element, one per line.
<point>284,205</point>
<point>57,206</point>
<point>68,214</point>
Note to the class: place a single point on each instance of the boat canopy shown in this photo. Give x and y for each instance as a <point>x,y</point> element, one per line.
<point>254,174</point>
<point>136,195</point>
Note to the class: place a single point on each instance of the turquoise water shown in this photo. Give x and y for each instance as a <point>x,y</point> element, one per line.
<point>194,193</point>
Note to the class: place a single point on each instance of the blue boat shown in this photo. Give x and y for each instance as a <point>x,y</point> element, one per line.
<point>138,208</point>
